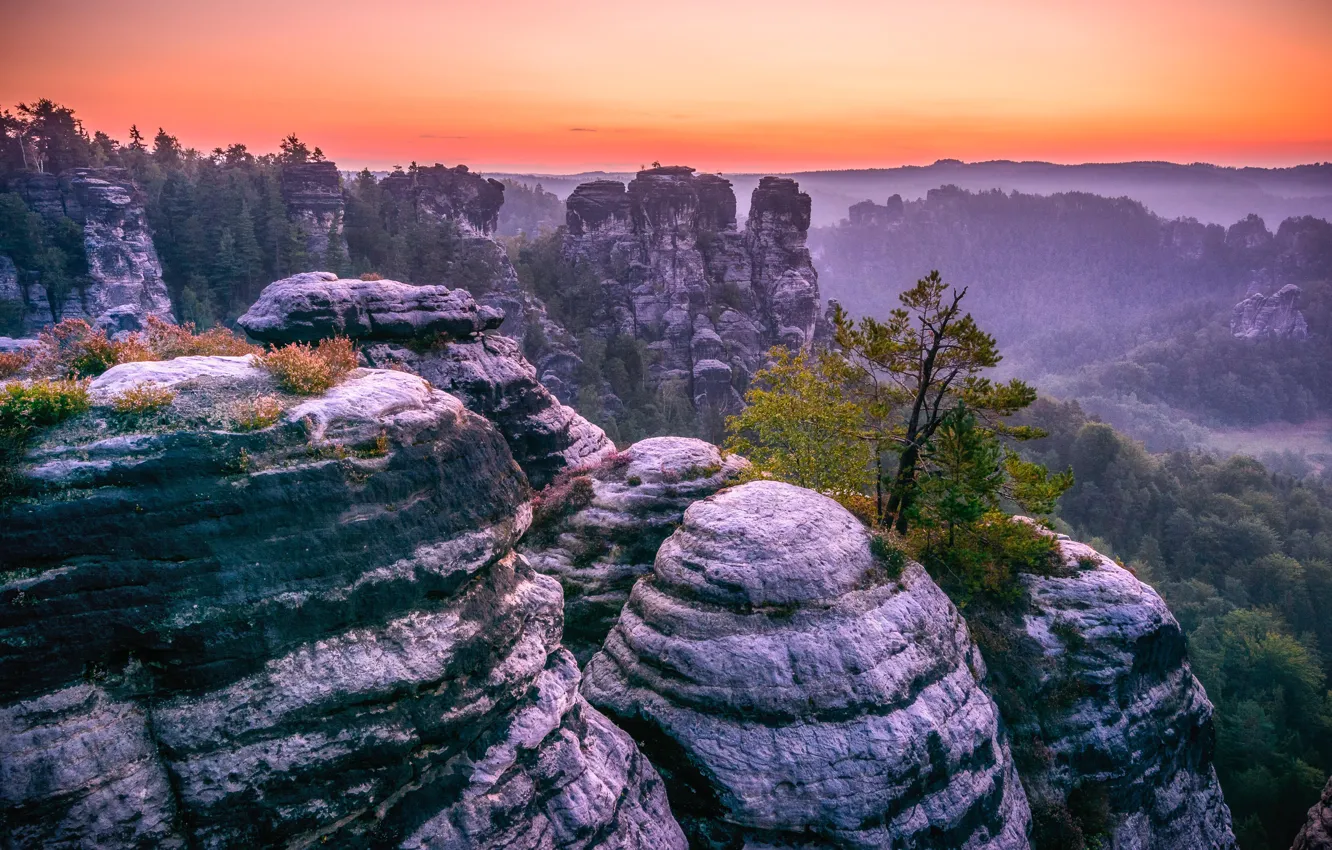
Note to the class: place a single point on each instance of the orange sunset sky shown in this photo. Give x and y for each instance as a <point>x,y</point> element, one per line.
<point>732,86</point>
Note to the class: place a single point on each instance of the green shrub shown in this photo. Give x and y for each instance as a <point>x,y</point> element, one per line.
<point>27,406</point>
<point>888,554</point>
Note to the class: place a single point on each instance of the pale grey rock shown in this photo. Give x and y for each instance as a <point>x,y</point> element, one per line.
<point>1119,709</point>
<point>794,694</point>
<point>318,305</point>
<point>1270,316</point>
<point>313,634</point>
<point>676,269</point>
<point>312,192</point>
<point>600,550</point>
<point>492,378</point>
<point>1317,831</point>
<point>89,761</point>
<point>125,283</point>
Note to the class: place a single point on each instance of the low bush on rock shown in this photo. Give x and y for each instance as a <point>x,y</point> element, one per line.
<point>142,399</point>
<point>167,341</point>
<point>13,362</point>
<point>75,349</point>
<point>570,492</point>
<point>310,370</point>
<point>257,413</point>
<point>25,406</point>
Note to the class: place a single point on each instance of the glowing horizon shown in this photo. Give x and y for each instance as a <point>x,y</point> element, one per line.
<point>524,86</point>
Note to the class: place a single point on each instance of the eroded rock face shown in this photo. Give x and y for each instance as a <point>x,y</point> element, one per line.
<point>491,376</point>
<point>313,633</point>
<point>319,305</point>
<point>125,275</point>
<point>676,270</point>
<point>1317,831</point>
<point>312,192</point>
<point>600,550</point>
<point>1112,711</point>
<point>453,193</point>
<point>1270,316</point>
<point>794,694</point>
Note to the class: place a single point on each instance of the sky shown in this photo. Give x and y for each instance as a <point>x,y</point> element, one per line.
<point>748,85</point>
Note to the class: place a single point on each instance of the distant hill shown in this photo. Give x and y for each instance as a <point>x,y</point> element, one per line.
<point>1210,193</point>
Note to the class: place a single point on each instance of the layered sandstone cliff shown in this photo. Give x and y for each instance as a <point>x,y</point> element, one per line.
<point>312,634</point>
<point>439,334</point>
<point>795,693</point>
<point>710,298</point>
<point>124,280</point>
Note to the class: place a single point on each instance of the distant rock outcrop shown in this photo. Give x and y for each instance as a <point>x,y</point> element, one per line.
<point>312,192</point>
<point>794,693</point>
<point>438,333</point>
<point>124,275</point>
<point>639,497</point>
<point>675,270</point>
<point>1270,316</point>
<point>1107,713</point>
<point>312,634</point>
<point>453,194</point>
<point>1317,831</point>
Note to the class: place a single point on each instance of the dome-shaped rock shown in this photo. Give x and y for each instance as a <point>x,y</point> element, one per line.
<point>794,693</point>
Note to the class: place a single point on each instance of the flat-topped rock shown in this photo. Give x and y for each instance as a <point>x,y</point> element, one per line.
<point>318,305</point>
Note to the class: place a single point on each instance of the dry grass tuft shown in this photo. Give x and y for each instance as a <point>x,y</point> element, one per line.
<point>13,362</point>
<point>257,413</point>
<point>167,341</point>
<point>142,399</point>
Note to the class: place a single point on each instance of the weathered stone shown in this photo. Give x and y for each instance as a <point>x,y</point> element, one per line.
<point>1278,315</point>
<point>1113,707</point>
<point>795,694</point>
<point>313,633</point>
<point>1317,831</point>
<point>600,550</point>
<point>453,194</point>
<point>318,305</point>
<point>673,266</point>
<point>493,379</point>
<point>312,192</point>
<point>124,273</point>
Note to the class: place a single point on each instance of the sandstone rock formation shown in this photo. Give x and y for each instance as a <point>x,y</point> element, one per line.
<point>1317,831</point>
<point>312,192</point>
<point>1109,716</point>
<point>1270,316</point>
<point>318,305</point>
<point>676,270</point>
<point>794,693</point>
<point>471,203</point>
<point>491,376</point>
<point>600,550</point>
<point>453,194</point>
<point>315,633</point>
<point>438,333</point>
<point>124,275</point>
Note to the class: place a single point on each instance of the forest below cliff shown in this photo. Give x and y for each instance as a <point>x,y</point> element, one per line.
<point>1101,300</point>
